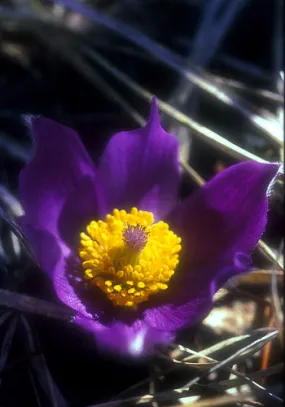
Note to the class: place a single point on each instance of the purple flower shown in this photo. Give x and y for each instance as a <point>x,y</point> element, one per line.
<point>134,262</point>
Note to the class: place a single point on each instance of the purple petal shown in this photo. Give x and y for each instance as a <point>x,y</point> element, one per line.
<point>61,263</point>
<point>63,288</point>
<point>220,225</point>
<point>225,217</point>
<point>140,168</point>
<point>59,188</point>
<point>53,255</point>
<point>175,316</point>
<point>70,288</point>
<point>135,340</point>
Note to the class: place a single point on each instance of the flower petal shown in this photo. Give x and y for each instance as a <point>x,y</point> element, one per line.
<point>65,290</point>
<point>140,168</point>
<point>226,216</point>
<point>220,225</point>
<point>53,256</point>
<point>175,315</point>
<point>135,340</point>
<point>59,188</point>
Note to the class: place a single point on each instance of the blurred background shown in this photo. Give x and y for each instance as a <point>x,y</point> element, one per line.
<point>216,67</point>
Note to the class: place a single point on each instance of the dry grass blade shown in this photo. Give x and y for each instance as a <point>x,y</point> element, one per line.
<point>254,376</point>
<point>266,94</point>
<point>230,383</point>
<point>206,364</point>
<point>269,254</point>
<point>33,305</point>
<point>277,310</point>
<point>193,174</point>
<point>230,360</point>
<point>231,346</point>
<point>17,232</point>
<point>14,149</point>
<point>168,396</point>
<point>261,277</point>
<point>261,117</point>
<point>137,400</point>
<point>241,379</point>
<point>152,383</point>
<point>221,401</point>
<point>174,62</point>
<point>10,201</point>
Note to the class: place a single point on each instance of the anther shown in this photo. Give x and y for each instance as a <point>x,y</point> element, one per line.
<point>128,256</point>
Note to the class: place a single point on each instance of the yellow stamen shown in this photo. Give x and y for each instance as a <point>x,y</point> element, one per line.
<point>128,256</point>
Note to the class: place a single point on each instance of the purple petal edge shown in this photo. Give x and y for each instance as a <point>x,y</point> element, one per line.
<point>140,168</point>
<point>59,173</point>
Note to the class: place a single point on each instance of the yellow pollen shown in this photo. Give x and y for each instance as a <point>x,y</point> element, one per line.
<point>128,256</point>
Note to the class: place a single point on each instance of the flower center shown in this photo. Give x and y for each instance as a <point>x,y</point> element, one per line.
<point>128,256</point>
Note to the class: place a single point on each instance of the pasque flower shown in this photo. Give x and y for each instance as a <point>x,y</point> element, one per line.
<point>134,262</point>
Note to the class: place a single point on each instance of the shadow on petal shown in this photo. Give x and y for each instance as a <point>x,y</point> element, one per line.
<point>187,305</point>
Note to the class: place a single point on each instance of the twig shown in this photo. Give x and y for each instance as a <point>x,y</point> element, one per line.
<point>267,347</point>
